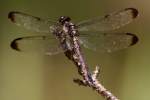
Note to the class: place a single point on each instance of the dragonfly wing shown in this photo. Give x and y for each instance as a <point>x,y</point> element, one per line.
<point>30,22</point>
<point>107,42</point>
<point>38,44</point>
<point>109,22</point>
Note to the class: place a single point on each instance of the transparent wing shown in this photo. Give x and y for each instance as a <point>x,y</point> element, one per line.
<point>30,22</point>
<point>37,44</point>
<point>110,21</point>
<point>106,42</point>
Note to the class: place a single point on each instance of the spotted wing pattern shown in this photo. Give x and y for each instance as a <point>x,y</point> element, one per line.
<point>30,22</point>
<point>109,22</point>
<point>38,44</point>
<point>90,35</point>
<point>108,42</point>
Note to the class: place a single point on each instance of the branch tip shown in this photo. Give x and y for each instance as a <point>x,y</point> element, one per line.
<point>80,82</point>
<point>96,72</point>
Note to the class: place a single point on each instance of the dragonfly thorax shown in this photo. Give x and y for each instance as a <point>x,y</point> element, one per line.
<point>68,31</point>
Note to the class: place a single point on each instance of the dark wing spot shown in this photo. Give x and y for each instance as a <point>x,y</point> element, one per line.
<point>106,16</point>
<point>11,16</point>
<point>14,44</point>
<point>133,11</point>
<point>134,38</point>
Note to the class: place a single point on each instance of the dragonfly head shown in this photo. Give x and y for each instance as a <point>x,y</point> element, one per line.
<point>64,19</point>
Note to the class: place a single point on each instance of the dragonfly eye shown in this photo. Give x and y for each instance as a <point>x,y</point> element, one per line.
<point>63,19</point>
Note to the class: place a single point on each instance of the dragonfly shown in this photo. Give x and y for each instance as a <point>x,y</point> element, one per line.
<point>94,34</point>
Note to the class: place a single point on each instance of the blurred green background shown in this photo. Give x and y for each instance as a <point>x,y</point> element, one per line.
<point>37,77</point>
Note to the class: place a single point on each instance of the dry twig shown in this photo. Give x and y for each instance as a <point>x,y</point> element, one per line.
<point>89,79</point>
